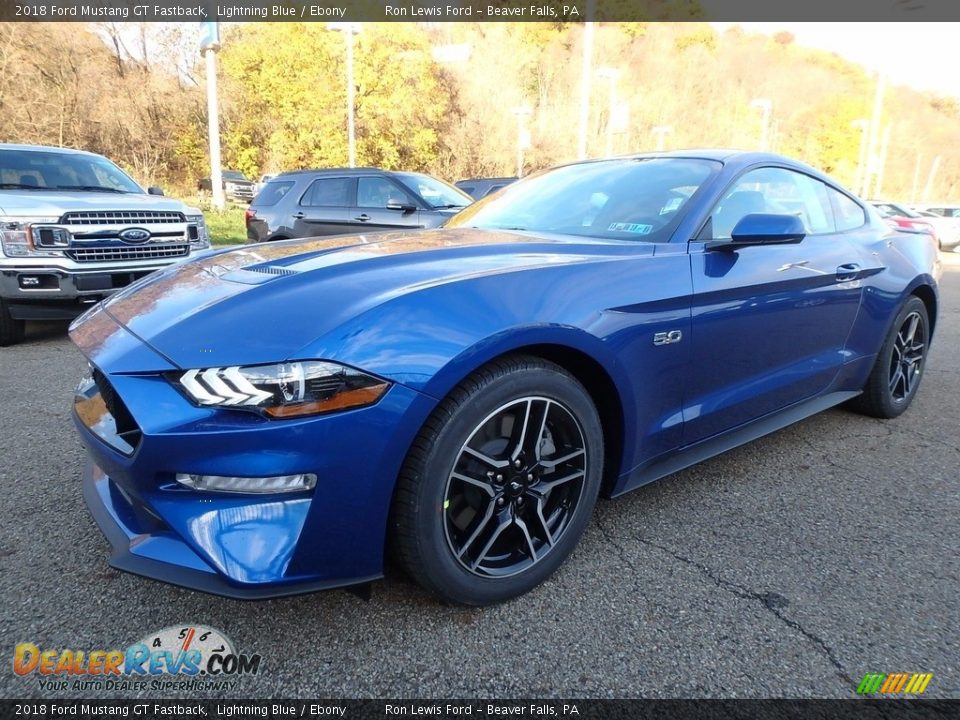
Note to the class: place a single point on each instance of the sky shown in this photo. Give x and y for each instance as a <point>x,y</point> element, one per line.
<point>925,56</point>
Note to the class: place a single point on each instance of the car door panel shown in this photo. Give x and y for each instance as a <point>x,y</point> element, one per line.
<point>769,327</point>
<point>770,322</point>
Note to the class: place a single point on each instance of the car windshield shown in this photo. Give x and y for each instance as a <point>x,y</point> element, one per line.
<point>437,193</point>
<point>622,199</point>
<point>43,170</point>
<point>233,175</point>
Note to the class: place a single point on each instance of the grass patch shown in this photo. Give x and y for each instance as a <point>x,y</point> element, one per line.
<point>226,226</point>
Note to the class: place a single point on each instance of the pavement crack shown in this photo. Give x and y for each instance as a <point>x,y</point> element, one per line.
<point>772,602</point>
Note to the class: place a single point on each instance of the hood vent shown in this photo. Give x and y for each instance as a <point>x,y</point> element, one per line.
<point>272,270</point>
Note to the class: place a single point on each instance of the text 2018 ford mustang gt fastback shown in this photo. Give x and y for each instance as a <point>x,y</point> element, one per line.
<point>274,419</point>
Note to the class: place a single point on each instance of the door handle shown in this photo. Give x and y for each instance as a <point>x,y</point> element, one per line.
<point>299,216</point>
<point>847,272</point>
<point>362,218</point>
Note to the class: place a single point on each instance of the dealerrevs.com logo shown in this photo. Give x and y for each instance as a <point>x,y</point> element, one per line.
<point>180,657</point>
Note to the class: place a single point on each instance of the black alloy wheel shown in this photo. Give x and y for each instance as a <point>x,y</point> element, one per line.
<point>500,483</point>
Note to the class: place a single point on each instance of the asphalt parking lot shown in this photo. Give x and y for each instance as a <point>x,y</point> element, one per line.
<point>787,568</point>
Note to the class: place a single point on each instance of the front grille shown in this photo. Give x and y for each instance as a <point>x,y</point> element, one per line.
<point>144,252</point>
<point>122,217</point>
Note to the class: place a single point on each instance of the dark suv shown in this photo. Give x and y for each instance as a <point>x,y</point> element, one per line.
<point>481,187</point>
<point>308,203</point>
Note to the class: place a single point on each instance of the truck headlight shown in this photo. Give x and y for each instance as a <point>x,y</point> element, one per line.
<point>283,390</point>
<point>197,229</point>
<point>23,237</point>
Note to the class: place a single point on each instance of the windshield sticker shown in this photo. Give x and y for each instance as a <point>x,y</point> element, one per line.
<point>635,228</point>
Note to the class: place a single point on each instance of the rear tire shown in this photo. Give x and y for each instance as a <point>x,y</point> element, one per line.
<point>897,372</point>
<point>11,330</point>
<point>500,483</point>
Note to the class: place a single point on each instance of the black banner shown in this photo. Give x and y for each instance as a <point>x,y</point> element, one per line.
<point>912,709</point>
<point>473,10</point>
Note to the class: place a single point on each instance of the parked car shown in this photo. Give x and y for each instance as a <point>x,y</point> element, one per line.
<point>236,186</point>
<point>950,211</point>
<point>309,203</point>
<point>261,183</point>
<point>74,228</point>
<point>463,395</point>
<point>946,231</point>
<point>478,188</point>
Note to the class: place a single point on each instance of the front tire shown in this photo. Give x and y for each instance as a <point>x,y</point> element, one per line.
<point>897,372</point>
<point>500,483</point>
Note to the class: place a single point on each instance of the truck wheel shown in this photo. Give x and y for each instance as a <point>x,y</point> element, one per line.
<point>11,331</point>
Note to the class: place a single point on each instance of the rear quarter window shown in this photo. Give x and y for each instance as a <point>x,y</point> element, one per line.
<point>273,192</point>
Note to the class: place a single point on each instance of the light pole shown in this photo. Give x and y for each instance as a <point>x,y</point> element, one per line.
<point>349,30</point>
<point>862,157</point>
<point>611,74</point>
<point>209,44</point>
<point>523,137</point>
<point>660,132</point>
<point>585,84</point>
<point>765,106</point>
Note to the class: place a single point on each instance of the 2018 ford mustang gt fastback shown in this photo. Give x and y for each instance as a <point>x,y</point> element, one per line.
<point>274,419</point>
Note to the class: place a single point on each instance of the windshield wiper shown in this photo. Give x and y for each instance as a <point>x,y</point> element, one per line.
<point>21,186</point>
<point>448,206</point>
<point>89,188</point>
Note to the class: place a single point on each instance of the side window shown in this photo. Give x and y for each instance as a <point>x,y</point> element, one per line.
<point>327,192</point>
<point>377,192</point>
<point>777,191</point>
<point>848,214</point>
<point>272,192</point>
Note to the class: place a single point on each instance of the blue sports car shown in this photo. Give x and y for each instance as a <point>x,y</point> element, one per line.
<point>274,419</point>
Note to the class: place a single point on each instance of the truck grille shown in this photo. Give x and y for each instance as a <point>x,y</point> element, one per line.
<point>144,252</point>
<point>122,217</point>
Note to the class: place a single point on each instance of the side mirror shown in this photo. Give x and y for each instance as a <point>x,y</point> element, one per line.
<point>403,207</point>
<point>762,229</point>
<point>154,190</point>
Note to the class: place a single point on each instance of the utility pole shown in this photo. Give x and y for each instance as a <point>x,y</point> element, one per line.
<point>585,73</point>
<point>349,30</point>
<point>209,44</point>
<point>874,136</point>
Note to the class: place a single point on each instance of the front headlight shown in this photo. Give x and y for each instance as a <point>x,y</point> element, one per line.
<point>23,237</point>
<point>283,390</point>
<point>199,236</point>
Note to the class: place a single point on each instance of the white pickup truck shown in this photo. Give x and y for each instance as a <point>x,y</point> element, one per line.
<point>74,228</point>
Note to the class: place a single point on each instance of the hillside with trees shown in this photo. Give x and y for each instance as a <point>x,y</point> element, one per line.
<point>135,93</point>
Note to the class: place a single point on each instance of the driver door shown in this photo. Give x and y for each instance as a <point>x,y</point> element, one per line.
<point>769,322</point>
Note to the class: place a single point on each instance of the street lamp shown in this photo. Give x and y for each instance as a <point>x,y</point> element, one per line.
<point>863,125</point>
<point>765,106</point>
<point>586,62</point>
<point>611,74</point>
<point>349,30</point>
<point>660,132</point>
<point>523,135</point>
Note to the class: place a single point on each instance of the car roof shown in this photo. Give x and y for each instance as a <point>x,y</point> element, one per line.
<point>486,179</point>
<point>333,171</point>
<point>45,148</point>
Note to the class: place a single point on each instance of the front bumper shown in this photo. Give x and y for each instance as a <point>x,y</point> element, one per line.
<point>166,558</point>
<point>56,293</point>
<point>236,545</point>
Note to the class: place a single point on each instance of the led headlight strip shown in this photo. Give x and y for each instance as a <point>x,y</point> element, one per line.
<point>283,390</point>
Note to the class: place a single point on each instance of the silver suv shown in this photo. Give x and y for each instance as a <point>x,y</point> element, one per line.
<point>75,228</point>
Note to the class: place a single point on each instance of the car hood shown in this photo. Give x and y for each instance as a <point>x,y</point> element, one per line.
<point>262,303</point>
<point>50,203</point>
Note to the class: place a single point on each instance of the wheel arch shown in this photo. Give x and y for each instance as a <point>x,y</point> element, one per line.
<point>580,354</point>
<point>929,297</point>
